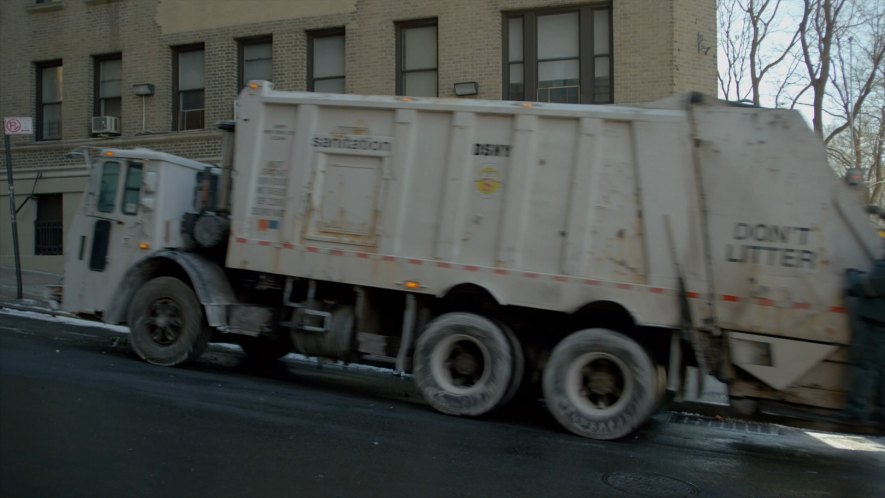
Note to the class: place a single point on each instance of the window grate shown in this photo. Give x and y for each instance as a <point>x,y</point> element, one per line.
<point>48,238</point>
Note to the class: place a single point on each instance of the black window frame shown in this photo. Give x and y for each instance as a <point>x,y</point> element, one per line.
<point>312,36</point>
<point>586,56</point>
<point>101,238</point>
<point>177,92</point>
<point>401,27</point>
<point>40,104</point>
<point>242,43</point>
<point>98,60</point>
<point>49,226</point>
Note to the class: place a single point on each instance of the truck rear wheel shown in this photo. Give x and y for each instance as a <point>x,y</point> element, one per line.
<point>166,323</point>
<point>600,384</point>
<point>465,364</point>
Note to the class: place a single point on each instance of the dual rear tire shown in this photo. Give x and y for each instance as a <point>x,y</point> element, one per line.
<point>598,383</point>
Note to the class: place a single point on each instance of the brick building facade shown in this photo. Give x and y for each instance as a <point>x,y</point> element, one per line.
<point>66,61</point>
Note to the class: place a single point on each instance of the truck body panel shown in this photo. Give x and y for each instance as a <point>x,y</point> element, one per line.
<point>468,194</point>
<point>553,206</point>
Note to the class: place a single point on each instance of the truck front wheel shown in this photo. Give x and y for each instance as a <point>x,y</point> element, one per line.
<point>465,364</point>
<point>600,384</point>
<point>166,323</point>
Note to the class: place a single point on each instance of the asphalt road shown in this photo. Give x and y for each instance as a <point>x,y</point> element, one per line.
<point>80,415</point>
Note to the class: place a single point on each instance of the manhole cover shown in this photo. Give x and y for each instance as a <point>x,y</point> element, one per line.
<point>643,484</point>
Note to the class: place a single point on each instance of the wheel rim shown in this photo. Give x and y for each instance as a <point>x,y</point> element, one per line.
<point>599,384</point>
<point>164,321</point>
<point>460,364</point>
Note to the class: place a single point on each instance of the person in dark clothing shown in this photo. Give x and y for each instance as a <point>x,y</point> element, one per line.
<point>865,300</point>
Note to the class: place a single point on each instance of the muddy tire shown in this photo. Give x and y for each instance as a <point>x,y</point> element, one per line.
<point>464,364</point>
<point>166,323</point>
<point>662,397</point>
<point>600,384</point>
<point>518,375</point>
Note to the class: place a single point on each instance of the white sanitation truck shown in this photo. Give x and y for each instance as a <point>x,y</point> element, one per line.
<point>488,246</point>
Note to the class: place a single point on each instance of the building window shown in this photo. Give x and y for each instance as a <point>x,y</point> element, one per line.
<point>559,56</point>
<point>416,58</point>
<point>49,97</point>
<point>48,225</point>
<point>109,86</point>
<point>189,103</point>
<point>326,61</point>
<point>256,60</point>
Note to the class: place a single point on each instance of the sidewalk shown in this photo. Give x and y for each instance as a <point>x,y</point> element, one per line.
<point>35,289</point>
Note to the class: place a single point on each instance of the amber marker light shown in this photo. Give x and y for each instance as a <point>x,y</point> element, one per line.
<point>144,246</point>
<point>109,153</point>
<point>253,86</point>
<point>411,284</point>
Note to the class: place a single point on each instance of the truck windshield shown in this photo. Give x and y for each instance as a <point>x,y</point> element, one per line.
<point>132,189</point>
<point>110,174</point>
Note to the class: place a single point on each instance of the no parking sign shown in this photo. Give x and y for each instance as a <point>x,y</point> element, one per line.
<point>18,126</point>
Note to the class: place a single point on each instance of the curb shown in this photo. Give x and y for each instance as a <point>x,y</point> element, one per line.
<point>33,306</point>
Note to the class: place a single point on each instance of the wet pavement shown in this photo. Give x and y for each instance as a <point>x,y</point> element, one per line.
<point>80,415</point>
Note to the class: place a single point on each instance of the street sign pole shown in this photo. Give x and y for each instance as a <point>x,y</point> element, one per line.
<point>14,126</point>
<point>12,217</point>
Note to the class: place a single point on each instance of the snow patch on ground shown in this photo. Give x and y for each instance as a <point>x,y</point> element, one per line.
<point>217,346</point>
<point>79,322</point>
<point>848,442</point>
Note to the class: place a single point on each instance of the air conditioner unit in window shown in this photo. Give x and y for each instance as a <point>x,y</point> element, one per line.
<point>105,125</point>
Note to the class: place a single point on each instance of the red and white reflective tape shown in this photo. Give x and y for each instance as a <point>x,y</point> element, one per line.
<point>506,272</point>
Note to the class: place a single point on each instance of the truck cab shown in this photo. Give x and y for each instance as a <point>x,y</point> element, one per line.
<point>123,218</point>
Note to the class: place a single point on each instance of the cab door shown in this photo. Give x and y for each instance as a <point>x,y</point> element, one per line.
<point>108,231</point>
<point>115,211</point>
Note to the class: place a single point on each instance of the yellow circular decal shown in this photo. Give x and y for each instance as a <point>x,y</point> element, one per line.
<point>488,181</point>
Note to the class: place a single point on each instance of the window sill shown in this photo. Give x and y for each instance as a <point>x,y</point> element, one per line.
<point>46,7</point>
<point>99,2</point>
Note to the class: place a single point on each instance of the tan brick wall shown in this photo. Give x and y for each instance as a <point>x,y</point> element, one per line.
<point>643,60</point>
<point>694,46</point>
<point>659,49</point>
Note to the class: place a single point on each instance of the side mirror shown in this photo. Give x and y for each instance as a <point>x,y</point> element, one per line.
<point>854,176</point>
